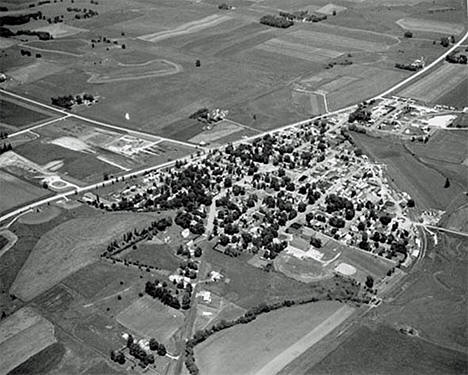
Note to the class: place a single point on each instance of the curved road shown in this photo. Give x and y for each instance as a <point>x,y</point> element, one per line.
<point>171,163</point>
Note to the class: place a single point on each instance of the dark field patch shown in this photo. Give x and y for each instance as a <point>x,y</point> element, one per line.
<point>385,351</point>
<point>42,362</point>
<point>457,97</point>
<point>18,116</point>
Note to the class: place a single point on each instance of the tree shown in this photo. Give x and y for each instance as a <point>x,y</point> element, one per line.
<point>198,252</point>
<point>447,183</point>
<point>369,282</point>
<point>162,350</point>
<point>153,344</point>
<point>408,34</point>
<point>444,41</point>
<point>198,63</point>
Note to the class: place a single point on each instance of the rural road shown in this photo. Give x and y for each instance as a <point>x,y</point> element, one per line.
<point>171,163</point>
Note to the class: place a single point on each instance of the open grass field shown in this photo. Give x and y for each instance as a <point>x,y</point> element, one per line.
<point>156,255</point>
<point>40,215</point>
<point>437,84</point>
<point>385,351</point>
<point>68,248</point>
<point>271,341</point>
<point>16,192</point>
<point>421,181</point>
<point>247,286</point>
<point>150,318</point>
<point>23,334</point>
<point>14,114</point>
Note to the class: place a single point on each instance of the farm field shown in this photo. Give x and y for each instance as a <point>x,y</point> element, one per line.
<point>16,192</point>
<point>385,351</point>
<point>23,334</point>
<point>434,86</point>
<point>68,248</point>
<point>146,65</point>
<point>269,342</point>
<point>18,115</point>
<point>457,97</point>
<point>430,26</point>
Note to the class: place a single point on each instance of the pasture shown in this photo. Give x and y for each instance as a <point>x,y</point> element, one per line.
<point>22,335</point>
<point>16,192</point>
<point>271,341</point>
<point>150,318</point>
<point>69,247</point>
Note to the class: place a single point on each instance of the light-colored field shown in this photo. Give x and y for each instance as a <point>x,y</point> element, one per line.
<point>150,318</point>
<point>60,30</point>
<point>310,339</point>
<point>430,26</point>
<point>271,341</point>
<point>34,72</point>
<point>187,28</point>
<point>22,335</point>
<point>6,42</point>
<point>11,239</point>
<point>40,215</point>
<point>130,72</point>
<point>330,8</point>
<point>333,41</point>
<point>220,130</point>
<point>298,50</point>
<point>338,83</point>
<point>439,82</point>
<point>15,192</point>
<point>70,247</point>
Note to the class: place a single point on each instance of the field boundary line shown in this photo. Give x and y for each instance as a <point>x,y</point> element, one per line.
<point>38,126</point>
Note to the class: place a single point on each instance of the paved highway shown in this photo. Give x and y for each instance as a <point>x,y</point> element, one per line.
<point>171,163</point>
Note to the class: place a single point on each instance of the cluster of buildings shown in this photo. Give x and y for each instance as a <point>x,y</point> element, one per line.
<point>407,118</point>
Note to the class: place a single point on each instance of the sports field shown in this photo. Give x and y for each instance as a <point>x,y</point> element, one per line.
<point>22,335</point>
<point>271,341</point>
<point>150,318</point>
<point>70,247</point>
